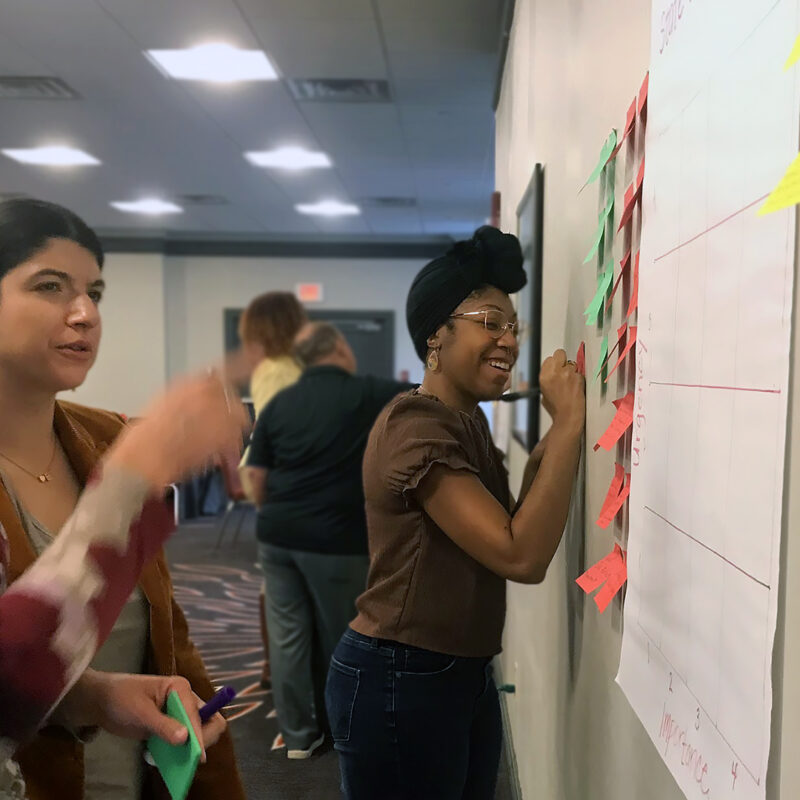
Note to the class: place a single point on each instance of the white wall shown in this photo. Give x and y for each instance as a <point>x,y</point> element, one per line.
<point>131,364</point>
<point>573,68</point>
<point>164,315</point>
<point>198,289</point>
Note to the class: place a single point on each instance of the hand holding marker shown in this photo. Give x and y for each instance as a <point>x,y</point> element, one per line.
<point>221,699</point>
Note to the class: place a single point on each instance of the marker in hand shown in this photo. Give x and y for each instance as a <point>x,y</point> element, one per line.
<point>221,699</point>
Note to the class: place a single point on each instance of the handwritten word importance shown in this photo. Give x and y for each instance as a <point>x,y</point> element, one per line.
<point>692,759</point>
<point>640,419</point>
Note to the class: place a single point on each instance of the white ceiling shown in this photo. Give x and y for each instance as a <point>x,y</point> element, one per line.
<point>434,142</point>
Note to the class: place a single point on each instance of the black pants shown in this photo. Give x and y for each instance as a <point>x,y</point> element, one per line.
<point>411,724</point>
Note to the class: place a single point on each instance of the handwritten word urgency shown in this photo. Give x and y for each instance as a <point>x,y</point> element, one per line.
<point>670,19</point>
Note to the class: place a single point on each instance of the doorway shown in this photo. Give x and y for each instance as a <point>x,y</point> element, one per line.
<point>369,333</point>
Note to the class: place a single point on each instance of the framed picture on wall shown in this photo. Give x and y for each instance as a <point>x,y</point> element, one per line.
<point>530,227</point>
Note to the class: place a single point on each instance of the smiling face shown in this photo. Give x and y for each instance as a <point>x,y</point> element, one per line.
<point>476,365</point>
<point>49,318</point>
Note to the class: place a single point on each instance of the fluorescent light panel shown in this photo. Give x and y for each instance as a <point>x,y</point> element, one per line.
<point>215,62</point>
<point>152,206</point>
<point>293,158</point>
<point>328,208</point>
<point>52,156</point>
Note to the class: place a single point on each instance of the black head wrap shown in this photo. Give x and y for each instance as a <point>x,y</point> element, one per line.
<point>489,258</point>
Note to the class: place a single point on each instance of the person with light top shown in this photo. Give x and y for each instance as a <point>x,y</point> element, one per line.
<point>410,696</point>
<point>267,329</point>
<point>51,287</point>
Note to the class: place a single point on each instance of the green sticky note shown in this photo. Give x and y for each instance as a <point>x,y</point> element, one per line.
<point>603,356</point>
<point>598,237</point>
<point>605,154</point>
<point>593,309</point>
<point>601,229</point>
<point>606,212</point>
<point>176,763</point>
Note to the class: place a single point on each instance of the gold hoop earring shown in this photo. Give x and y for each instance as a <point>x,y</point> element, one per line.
<point>432,361</point>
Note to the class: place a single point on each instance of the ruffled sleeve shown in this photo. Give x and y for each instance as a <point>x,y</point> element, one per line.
<point>418,433</point>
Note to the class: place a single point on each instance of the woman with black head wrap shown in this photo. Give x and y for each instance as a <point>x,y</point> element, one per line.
<point>411,701</point>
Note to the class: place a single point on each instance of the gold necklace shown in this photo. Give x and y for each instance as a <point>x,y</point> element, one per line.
<point>42,477</point>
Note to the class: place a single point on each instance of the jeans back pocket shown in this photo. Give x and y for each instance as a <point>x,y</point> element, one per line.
<point>340,698</point>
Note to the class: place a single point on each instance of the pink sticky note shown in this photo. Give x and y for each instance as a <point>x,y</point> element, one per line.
<point>643,90</point>
<point>632,306</point>
<point>580,359</point>
<point>621,422</point>
<point>624,264</point>
<point>600,572</point>
<point>615,582</point>
<point>624,353</point>
<point>612,507</point>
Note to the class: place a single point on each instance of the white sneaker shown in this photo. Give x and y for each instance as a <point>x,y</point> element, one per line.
<point>300,754</point>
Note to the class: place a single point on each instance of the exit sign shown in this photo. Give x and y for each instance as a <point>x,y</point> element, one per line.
<point>309,292</point>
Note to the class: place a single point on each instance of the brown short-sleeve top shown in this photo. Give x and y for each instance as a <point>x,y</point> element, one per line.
<point>423,589</point>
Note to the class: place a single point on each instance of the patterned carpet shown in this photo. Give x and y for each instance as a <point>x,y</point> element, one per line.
<point>218,591</point>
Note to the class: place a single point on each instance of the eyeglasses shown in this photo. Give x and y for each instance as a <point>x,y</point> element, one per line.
<point>495,322</point>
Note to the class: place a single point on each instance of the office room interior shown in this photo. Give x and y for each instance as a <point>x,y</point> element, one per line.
<point>642,155</point>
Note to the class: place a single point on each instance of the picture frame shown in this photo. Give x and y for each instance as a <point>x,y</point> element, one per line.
<point>525,377</point>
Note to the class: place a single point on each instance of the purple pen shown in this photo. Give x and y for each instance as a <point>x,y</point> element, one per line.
<point>217,702</point>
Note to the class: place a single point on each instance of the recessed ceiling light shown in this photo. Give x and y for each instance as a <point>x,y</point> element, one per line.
<point>52,156</point>
<point>215,62</point>
<point>148,205</point>
<point>288,158</point>
<point>329,208</point>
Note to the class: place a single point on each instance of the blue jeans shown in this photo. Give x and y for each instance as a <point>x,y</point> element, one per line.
<point>411,724</point>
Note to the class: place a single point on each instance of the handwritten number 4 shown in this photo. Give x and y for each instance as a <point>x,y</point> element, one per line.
<point>734,772</point>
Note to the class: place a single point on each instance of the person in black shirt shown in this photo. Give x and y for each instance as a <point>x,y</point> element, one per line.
<point>305,469</point>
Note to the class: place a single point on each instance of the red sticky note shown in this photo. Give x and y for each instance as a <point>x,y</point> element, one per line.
<point>580,359</point>
<point>610,572</point>
<point>643,90</point>
<point>632,196</point>
<point>631,342</point>
<point>615,582</point>
<point>621,422</point>
<point>614,489</point>
<point>600,572</point>
<point>634,290</point>
<point>624,264</point>
<point>615,151</point>
<point>621,331</point>
<point>614,502</point>
<point>630,118</point>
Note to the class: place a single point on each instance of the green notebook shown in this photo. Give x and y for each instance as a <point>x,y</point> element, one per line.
<point>176,763</point>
